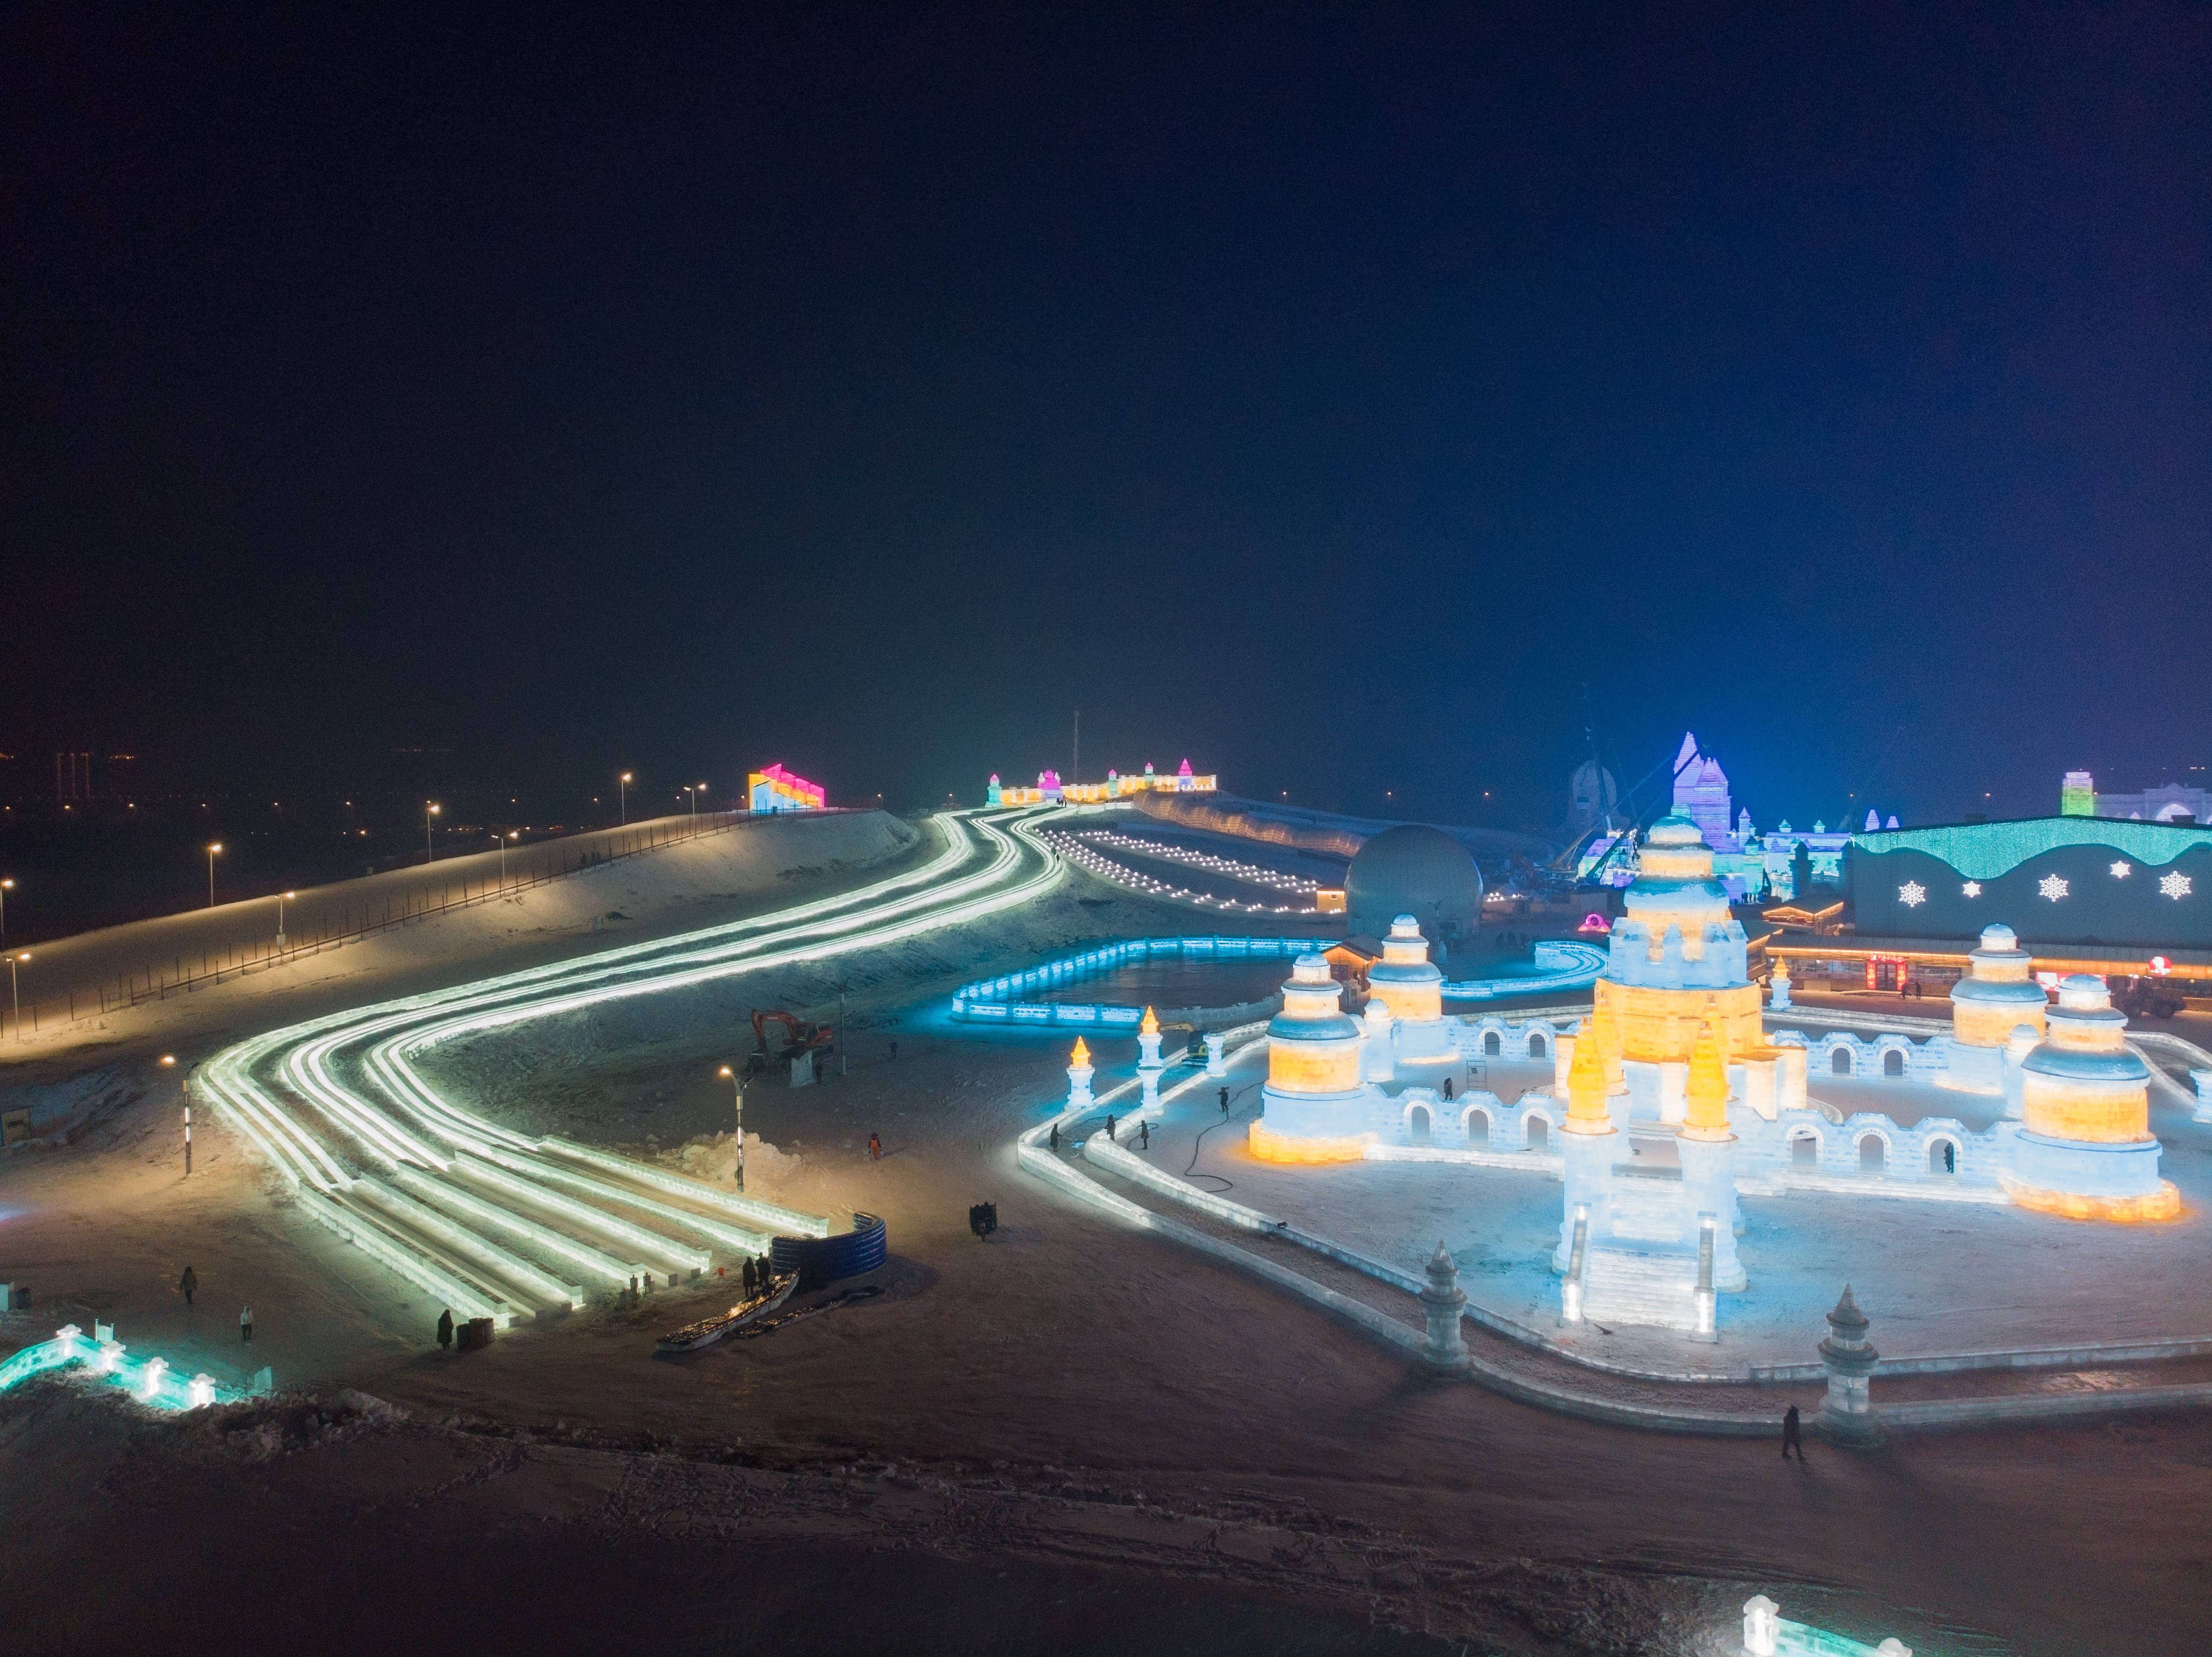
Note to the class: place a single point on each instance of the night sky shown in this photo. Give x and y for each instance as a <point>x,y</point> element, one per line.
<point>1348,398</point>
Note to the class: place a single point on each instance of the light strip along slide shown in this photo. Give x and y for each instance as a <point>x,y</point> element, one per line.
<point>498,1223</point>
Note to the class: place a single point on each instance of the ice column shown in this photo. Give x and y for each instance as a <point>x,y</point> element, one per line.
<point>1586,1150</point>
<point>1149,1063</point>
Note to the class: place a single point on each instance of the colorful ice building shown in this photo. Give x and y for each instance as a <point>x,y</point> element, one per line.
<point>1050,791</point>
<point>1749,865</point>
<point>777,789</point>
<point>2084,1148</point>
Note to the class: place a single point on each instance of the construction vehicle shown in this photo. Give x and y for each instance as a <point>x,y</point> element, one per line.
<point>799,1038</point>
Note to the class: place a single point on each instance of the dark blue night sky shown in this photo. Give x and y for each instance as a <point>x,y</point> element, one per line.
<point>1330,394</point>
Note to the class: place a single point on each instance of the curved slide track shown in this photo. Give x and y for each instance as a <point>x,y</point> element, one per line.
<point>500,1225</point>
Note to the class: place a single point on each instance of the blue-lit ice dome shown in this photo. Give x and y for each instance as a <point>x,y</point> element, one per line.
<point>1416,870</point>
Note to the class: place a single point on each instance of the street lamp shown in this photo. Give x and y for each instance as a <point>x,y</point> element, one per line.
<point>212,849</point>
<point>6,886</point>
<point>15,992</point>
<point>281,899</point>
<point>621,798</point>
<point>691,799</point>
<point>429,851</point>
<point>500,840</point>
<point>738,1083</point>
<point>171,1059</point>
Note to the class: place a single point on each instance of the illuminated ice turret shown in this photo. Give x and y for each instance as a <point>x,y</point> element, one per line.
<point>1588,1144</point>
<point>1706,1150</point>
<point>1313,1071</point>
<point>1149,1062</point>
<point>1676,962</point>
<point>1996,995</point>
<point>2084,1148</point>
<point>1410,986</point>
<point>1080,1072</point>
<point>1677,1019</point>
<point>990,795</point>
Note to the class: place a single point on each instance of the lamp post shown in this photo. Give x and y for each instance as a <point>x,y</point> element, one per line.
<point>6,886</point>
<point>429,850</point>
<point>170,1059</point>
<point>15,992</point>
<point>691,799</point>
<point>500,840</point>
<point>737,1084</point>
<point>282,899</point>
<point>621,795</point>
<point>212,849</point>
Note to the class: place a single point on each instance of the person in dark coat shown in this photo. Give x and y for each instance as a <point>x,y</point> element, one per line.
<point>1055,1135</point>
<point>245,1323</point>
<point>1792,1434</point>
<point>1110,1125</point>
<point>750,1277</point>
<point>1448,1091</point>
<point>189,1283</point>
<point>1143,1135</point>
<point>444,1329</point>
<point>1224,1101</point>
<point>767,1271</point>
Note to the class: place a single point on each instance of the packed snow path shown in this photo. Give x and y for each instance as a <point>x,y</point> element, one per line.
<point>497,1224</point>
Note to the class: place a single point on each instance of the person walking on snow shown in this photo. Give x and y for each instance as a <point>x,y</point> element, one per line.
<point>1792,1434</point>
<point>748,1275</point>
<point>245,1323</point>
<point>189,1283</point>
<point>444,1329</point>
<point>1055,1135</point>
<point>875,1149</point>
<point>1109,1127</point>
<point>1143,1135</point>
<point>1224,1101</point>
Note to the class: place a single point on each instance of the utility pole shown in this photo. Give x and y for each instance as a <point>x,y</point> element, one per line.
<point>1075,762</point>
<point>184,1094</point>
<point>738,1083</point>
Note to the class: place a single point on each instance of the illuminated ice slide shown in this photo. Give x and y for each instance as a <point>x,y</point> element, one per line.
<point>498,1224</point>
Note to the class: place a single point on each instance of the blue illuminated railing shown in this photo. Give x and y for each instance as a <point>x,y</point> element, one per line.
<point>999,1001</point>
<point>149,1381</point>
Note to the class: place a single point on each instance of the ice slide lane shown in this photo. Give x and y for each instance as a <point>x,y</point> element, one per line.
<point>498,1224</point>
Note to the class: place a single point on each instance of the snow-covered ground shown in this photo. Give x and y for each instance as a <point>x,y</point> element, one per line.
<point>1935,1278</point>
<point>1072,1437</point>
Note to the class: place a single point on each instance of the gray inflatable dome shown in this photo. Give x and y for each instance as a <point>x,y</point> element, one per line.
<point>1413,870</point>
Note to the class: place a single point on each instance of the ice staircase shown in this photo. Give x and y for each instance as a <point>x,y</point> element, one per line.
<point>1655,1287</point>
<point>1644,1268</point>
<point>1645,1210</point>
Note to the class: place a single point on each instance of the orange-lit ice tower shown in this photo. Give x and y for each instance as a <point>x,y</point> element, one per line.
<point>1995,998</point>
<point>1310,1105</point>
<point>2085,1148</point>
<point>1410,988</point>
<point>1676,963</point>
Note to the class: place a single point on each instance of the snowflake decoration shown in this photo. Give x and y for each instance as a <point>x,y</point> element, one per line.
<point>1913,894</point>
<point>1973,888</point>
<point>2052,887</point>
<point>2175,886</point>
<point>2120,871</point>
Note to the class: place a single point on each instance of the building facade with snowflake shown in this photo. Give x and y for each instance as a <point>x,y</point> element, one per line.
<point>2070,881</point>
